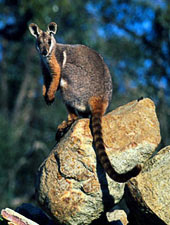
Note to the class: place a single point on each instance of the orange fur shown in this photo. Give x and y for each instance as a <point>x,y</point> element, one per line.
<point>98,105</point>
<point>44,90</point>
<point>56,74</point>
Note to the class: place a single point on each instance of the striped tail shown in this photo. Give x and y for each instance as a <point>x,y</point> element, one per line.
<point>101,153</point>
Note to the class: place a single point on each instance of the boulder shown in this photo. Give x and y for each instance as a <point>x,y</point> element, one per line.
<point>72,187</point>
<point>148,195</point>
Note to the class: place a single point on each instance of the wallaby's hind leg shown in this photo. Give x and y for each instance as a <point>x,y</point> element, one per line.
<point>66,124</point>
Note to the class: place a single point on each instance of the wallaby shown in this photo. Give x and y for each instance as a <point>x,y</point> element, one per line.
<point>85,84</point>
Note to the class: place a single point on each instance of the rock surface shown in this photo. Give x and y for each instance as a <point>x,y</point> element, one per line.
<point>148,195</point>
<point>72,186</point>
<point>118,216</point>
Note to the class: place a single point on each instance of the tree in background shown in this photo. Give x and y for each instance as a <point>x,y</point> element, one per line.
<point>133,38</point>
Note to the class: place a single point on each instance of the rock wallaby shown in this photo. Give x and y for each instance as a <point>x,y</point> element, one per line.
<point>85,85</point>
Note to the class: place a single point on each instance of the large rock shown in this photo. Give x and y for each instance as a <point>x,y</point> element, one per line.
<point>148,195</point>
<point>72,186</point>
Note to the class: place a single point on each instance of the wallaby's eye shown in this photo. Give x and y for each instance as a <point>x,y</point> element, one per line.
<point>49,41</point>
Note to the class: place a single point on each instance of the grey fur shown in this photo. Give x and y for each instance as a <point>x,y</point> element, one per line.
<point>86,75</point>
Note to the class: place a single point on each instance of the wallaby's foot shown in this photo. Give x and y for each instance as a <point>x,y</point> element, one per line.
<point>63,128</point>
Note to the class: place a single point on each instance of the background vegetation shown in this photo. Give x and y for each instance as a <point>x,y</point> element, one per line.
<point>132,36</point>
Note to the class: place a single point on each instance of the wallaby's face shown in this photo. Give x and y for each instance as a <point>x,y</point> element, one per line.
<point>45,41</point>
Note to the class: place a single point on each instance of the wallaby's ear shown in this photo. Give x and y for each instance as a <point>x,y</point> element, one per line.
<point>34,29</point>
<point>52,28</point>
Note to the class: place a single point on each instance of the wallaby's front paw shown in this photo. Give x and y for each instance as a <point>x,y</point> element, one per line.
<point>51,95</point>
<point>48,101</point>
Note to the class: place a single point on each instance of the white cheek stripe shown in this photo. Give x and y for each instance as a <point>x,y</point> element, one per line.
<point>64,58</point>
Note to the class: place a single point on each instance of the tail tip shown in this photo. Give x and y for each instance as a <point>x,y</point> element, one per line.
<point>136,170</point>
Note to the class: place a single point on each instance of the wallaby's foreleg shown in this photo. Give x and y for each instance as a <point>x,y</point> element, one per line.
<point>55,71</point>
<point>47,81</point>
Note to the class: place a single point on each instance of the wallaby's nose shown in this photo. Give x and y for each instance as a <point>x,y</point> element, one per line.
<point>44,52</point>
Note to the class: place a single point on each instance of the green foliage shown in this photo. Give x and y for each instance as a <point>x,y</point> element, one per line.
<point>133,38</point>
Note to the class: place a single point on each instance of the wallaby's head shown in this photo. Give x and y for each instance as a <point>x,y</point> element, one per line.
<point>45,41</point>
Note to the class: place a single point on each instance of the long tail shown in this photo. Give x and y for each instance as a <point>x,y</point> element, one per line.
<point>102,155</point>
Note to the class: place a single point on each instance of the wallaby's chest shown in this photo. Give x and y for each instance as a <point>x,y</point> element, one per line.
<point>52,65</point>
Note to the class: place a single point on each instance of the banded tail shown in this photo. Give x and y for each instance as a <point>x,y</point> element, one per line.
<point>102,155</point>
